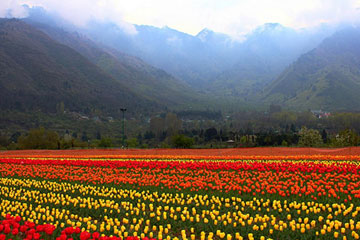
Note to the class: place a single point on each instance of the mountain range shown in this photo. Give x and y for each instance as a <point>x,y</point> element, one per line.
<point>45,61</point>
<point>210,61</point>
<point>327,77</point>
<point>43,66</point>
<point>38,73</point>
<point>143,79</point>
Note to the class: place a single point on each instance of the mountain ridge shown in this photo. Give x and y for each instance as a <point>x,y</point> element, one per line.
<point>39,73</point>
<point>271,65</point>
<point>209,62</point>
<point>143,79</point>
<point>327,77</point>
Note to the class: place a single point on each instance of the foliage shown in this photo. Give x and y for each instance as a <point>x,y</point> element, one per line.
<point>173,124</point>
<point>165,145</point>
<point>105,142</point>
<point>244,128</point>
<point>132,143</point>
<point>346,138</point>
<point>4,141</point>
<point>144,146</point>
<point>210,134</point>
<point>198,114</point>
<point>40,139</point>
<point>181,141</point>
<point>284,143</point>
<point>309,138</point>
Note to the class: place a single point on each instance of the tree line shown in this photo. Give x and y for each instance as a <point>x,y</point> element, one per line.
<point>210,138</point>
<point>274,127</point>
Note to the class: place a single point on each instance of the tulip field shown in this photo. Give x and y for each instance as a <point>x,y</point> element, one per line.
<point>179,196</point>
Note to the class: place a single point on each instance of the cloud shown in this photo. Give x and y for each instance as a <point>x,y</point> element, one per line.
<point>244,16</point>
<point>237,17</point>
<point>81,12</point>
<point>174,41</point>
<point>233,17</point>
<point>12,9</point>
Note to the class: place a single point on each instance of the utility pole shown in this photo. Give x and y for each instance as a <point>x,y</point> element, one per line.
<point>123,110</point>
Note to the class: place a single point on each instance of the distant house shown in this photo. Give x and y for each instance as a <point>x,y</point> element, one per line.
<point>230,142</point>
<point>321,114</point>
<point>96,119</point>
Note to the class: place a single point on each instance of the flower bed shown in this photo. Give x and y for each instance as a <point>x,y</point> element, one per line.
<point>174,198</point>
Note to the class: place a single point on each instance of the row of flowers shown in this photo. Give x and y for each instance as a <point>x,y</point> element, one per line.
<point>259,179</point>
<point>15,227</point>
<point>195,157</point>
<point>140,199</point>
<point>263,165</point>
<point>112,211</point>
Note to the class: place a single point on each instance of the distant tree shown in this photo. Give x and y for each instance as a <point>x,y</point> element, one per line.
<point>4,141</point>
<point>346,138</point>
<point>306,119</point>
<point>292,128</point>
<point>273,108</point>
<point>210,134</point>
<point>162,136</point>
<point>60,107</point>
<point>164,145</point>
<point>351,137</point>
<point>194,132</point>
<point>284,143</point>
<point>132,143</point>
<point>144,146</point>
<point>283,118</point>
<point>181,141</point>
<point>98,135</point>
<point>157,126</point>
<point>66,144</point>
<point>324,136</point>
<point>67,137</point>
<point>74,135</point>
<point>67,141</point>
<point>149,135</point>
<point>201,134</point>
<point>84,137</point>
<point>287,128</point>
<point>39,139</point>
<point>105,143</point>
<point>79,144</point>
<point>173,124</point>
<point>244,140</point>
<point>309,138</point>
<point>15,136</point>
<point>339,121</point>
<point>139,138</point>
<point>13,146</point>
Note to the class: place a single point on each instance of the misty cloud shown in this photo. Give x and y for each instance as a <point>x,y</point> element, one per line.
<point>81,12</point>
<point>12,9</point>
<point>174,41</point>
<point>232,17</point>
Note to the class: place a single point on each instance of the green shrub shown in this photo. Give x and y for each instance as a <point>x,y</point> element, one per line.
<point>132,143</point>
<point>181,141</point>
<point>105,143</point>
<point>309,138</point>
<point>39,139</point>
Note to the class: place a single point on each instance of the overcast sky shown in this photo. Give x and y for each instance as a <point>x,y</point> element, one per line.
<point>234,17</point>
